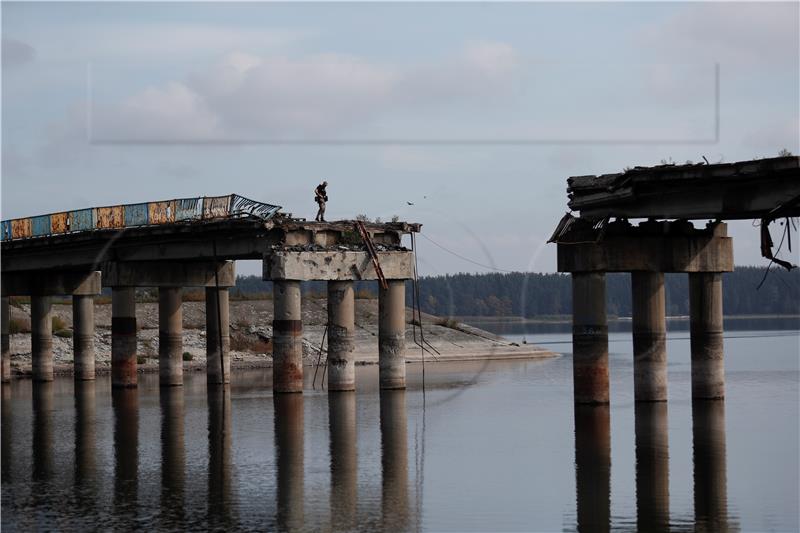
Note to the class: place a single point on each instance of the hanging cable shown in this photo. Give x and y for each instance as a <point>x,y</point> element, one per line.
<point>319,357</point>
<point>467,259</point>
<point>418,310</point>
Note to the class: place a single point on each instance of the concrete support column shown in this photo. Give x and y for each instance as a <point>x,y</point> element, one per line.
<point>83,336</point>
<point>170,337</point>
<point>218,342</point>
<point>41,338</point>
<point>705,309</point>
<point>652,467</point>
<point>123,337</point>
<point>5,311</point>
<point>392,335</point>
<point>593,467</point>
<point>287,342</point>
<point>341,326</point>
<point>589,338</point>
<point>649,337</point>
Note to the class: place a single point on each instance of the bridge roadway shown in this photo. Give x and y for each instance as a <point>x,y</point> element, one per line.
<point>202,254</point>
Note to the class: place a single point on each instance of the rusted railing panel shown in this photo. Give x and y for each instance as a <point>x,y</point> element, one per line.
<point>136,215</point>
<point>82,219</point>
<point>20,228</point>
<point>110,217</point>
<point>216,206</point>
<point>59,222</point>
<point>161,212</point>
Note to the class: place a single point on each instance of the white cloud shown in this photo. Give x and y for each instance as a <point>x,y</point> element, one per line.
<point>254,96</point>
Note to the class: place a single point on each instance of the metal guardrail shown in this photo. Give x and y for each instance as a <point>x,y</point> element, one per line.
<point>136,215</point>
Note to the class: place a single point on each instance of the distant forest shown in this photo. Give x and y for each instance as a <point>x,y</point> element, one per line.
<point>536,295</point>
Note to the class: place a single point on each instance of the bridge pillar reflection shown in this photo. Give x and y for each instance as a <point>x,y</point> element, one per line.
<point>287,344</point>
<point>42,338</point>
<point>341,326</point>
<point>123,337</point>
<point>392,335</point>
<point>170,336</point>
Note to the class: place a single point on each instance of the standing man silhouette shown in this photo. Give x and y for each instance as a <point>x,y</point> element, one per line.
<point>321,197</point>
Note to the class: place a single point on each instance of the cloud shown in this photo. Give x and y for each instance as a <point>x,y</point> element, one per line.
<point>261,96</point>
<point>16,53</point>
<point>729,33</point>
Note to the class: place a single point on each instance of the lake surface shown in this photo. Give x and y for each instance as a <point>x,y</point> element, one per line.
<point>488,446</point>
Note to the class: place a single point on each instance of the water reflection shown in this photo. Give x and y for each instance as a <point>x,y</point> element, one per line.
<point>42,431</point>
<point>710,466</point>
<point>652,466</point>
<point>85,446</point>
<point>344,460</point>
<point>173,455</point>
<point>593,467</point>
<point>219,457</point>
<point>125,404</point>
<point>394,460</point>
<point>5,434</point>
<point>289,434</point>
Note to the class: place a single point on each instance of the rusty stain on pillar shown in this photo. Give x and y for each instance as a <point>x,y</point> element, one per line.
<point>123,337</point>
<point>170,337</point>
<point>341,325</point>
<point>287,343</point>
<point>652,466</point>
<point>593,467</point>
<point>6,340</point>
<point>218,345</point>
<point>649,337</point>
<point>705,310</point>
<point>83,336</point>
<point>41,338</point>
<point>392,335</point>
<point>710,466</point>
<point>589,338</point>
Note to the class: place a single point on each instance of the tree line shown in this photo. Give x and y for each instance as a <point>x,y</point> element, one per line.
<point>540,295</point>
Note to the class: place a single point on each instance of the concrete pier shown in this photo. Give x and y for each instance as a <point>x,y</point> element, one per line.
<point>123,337</point>
<point>289,437</point>
<point>593,467</point>
<point>652,466</point>
<point>705,314</point>
<point>218,342</point>
<point>170,337</point>
<point>341,326</point>
<point>5,341</point>
<point>41,338</point>
<point>649,337</point>
<point>83,336</point>
<point>710,466</point>
<point>589,338</point>
<point>344,460</point>
<point>394,460</point>
<point>392,335</point>
<point>287,343</point>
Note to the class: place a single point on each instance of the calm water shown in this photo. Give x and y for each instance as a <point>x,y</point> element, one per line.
<point>490,446</point>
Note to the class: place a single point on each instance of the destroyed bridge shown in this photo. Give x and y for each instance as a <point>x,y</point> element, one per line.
<point>602,239</point>
<point>193,242</point>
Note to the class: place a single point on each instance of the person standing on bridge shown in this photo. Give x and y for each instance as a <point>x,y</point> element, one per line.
<point>321,197</point>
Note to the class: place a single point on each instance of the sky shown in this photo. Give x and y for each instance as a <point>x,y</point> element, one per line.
<point>475,113</point>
